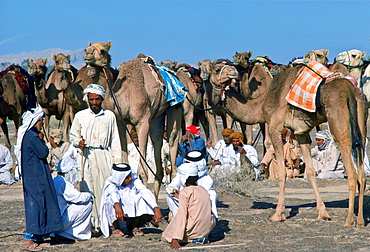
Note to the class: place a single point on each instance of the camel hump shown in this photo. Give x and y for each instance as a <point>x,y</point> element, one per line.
<point>22,77</point>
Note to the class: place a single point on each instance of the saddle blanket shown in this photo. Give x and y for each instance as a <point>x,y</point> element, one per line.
<point>303,91</point>
<point>174,90</point>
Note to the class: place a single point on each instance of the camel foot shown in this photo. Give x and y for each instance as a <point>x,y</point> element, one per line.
<point>277,217</point>
<point>324,216</point>
<point>346,224</point>
<point>360,222</point>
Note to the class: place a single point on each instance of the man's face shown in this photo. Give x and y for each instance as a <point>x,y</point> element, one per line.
<point>136,140</point>
<point>227,139</point>
<point>127,181</point>
<point>95,102</point>
<point>236,142</point>
<point>39,125</point>
<point>319,141</point>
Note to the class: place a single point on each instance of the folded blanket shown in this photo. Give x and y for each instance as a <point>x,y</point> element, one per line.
<point>304,89</point>
<point>174,90</point>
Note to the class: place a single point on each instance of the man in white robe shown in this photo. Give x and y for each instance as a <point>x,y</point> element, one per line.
<point>75,207</point>
<point>192,159</point>
<point>94,130</point>
<point>126,204</point>
<point>193,221</point>
<point>6,164</point>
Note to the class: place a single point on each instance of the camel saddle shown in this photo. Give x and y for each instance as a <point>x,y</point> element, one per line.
<point>20,75</point>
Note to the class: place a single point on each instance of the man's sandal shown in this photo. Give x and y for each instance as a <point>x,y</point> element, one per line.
<point>137,232</point>
<point>30,245</point>
<point>118,233</point>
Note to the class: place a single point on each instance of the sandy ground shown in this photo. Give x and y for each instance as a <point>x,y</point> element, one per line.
<point>242,226</point>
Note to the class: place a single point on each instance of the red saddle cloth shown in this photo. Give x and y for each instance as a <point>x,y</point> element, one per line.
<point>20,75</point>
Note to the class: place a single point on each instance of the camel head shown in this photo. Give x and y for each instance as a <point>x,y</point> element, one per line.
<point>205,69</point>
<point>351,58</point>
<point>223,72</point>
<point>170,64</point>
<point>317,55</point>
<point>62,62</point>
<point>242,59</point>
<point>37,67</point>
<point>97,54</point>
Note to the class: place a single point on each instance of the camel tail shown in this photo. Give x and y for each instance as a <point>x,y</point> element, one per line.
<point>358,117</point>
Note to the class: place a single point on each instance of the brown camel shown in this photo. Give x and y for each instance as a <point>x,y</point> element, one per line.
<point>220,71</point>
<point>142,104</point>
<point>51,96</point>
<point>317,55</point>
<point>97,70</point>
<point>190,77</point>
<point>170,64</point>
<point>12,99</point>
<point>340,105</point>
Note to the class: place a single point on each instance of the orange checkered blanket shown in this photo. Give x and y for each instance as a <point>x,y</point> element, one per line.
<point>303,91</point>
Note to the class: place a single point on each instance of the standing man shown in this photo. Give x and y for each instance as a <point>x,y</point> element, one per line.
<point>40,199</point>
<point>94,130</point>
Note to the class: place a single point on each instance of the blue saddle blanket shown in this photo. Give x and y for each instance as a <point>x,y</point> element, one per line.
<point>174,90</point>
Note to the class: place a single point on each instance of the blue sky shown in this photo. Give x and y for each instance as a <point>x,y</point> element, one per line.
<point>187,31</point>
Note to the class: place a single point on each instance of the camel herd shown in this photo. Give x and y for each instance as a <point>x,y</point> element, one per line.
<point>243,90</point>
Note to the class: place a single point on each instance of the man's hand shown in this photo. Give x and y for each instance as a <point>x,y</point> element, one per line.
<point>167,170</point>
<point>214,163</point>
<point>209,143</point>
<point>175,193</point>
<point>81,144</point>
<point>52,142</point>
<point>119,212</point>
<point>175,244</point>
<point>241,150</point>
<point>157,215</point>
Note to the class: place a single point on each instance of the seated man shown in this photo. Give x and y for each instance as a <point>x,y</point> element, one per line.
<point>291,155</point>
<point>75,207</point>
<point>126,203</point>
<point>221,153</point>
<point>6,164</point>
<point>242,151</point>
<point>326,157</point>
<point>193,221</point>
<point>191,141</point>
<point>192,159</point>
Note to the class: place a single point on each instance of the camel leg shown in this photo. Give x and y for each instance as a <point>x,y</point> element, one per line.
<point>205,124</point>
<point>174,118</point>
<point>66,122</point>
<point>311,176</point>
<point>142,132</point>
<point>212,123</point>
<point>123,138</point>
<point>279,153</point>
<point>156,135</point>
<point>4,127</point>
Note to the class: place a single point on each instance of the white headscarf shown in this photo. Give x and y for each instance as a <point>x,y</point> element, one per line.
<point>186,170</point>
<point>94,89</point>
<point>195,157</point>
<point>119,173</point>
<point>69,167</point>
<point>29,119</point>
<point>324,135</point>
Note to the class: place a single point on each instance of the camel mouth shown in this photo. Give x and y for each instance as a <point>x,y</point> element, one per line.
<point>236,63</point>
<point>233,76</point>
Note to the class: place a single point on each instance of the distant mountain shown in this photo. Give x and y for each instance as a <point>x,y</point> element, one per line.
<point>76,57</point>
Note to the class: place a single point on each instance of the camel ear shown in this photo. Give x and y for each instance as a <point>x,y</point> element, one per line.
<point>89,43</point>
<point>68,56</point>
<point>54,57</point>
<point>326,52</point>
<point>235,53</point>
<point>363,54</point>
<point>109,45</point>
<point>198,63</point>
<point>30,60</point>
<point>160,63</point>
<point>45,61</point>
<point>250,54</point>
<point>175,63</point>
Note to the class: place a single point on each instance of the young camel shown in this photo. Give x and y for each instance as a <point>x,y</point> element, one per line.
<point>341,106</point>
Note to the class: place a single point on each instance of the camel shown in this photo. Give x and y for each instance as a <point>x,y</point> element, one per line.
<point>97,70</point>
<point>357,67</point>
<point>216,72</point>
<point>317,55</point>
<point>170,64</point>
<point>340,105</point>
<point>51,96</point>
<point>141,103</point>
<point>12,99</point>
<point>190,77</point>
